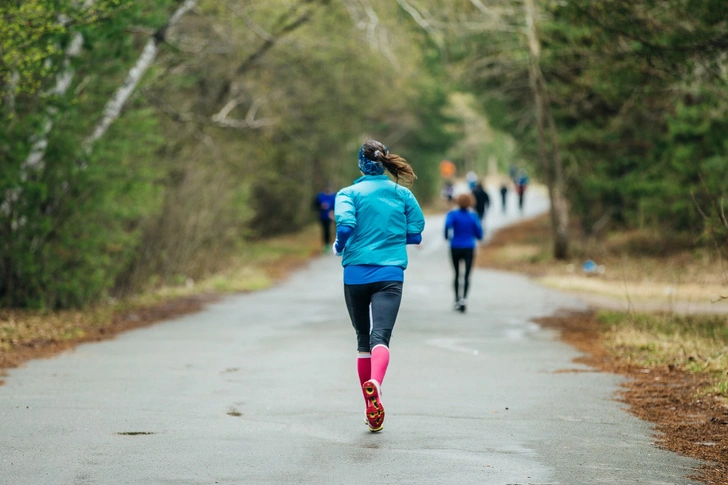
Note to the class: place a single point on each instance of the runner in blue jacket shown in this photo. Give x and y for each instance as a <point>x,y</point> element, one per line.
<point>462,228</point>
<point>375,219</point>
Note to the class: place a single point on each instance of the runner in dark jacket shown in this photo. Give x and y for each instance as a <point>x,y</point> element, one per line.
<point>325,206</point>
<point>482,201</point>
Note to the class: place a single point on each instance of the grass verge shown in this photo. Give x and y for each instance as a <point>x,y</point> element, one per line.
<point>677,394</point>
<point>677,363</point>
<point>28,334</point>
<point>696,343</point>
<point>637,265</point>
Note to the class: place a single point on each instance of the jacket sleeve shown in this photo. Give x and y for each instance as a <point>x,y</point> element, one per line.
<point>414,238</point>
<point>448,225</point>
<point>413,213</point>
<point>478,227</point>
<point>344,210</point>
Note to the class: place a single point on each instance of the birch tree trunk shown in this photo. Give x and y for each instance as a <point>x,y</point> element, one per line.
<point>39,142</point>
<point>34,160</point>
<point>12,86</point>
<point>553,170</point>
<point>113,107</point>
<point>64,78</point>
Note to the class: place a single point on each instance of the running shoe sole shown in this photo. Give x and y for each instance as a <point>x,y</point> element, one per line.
<point>375,409</point>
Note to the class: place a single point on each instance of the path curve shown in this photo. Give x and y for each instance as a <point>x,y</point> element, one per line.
<point>262,389</point>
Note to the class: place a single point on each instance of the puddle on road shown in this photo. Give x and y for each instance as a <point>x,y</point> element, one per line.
<point>574,371</point>
<point>234,413</point>
<point>521,333</point>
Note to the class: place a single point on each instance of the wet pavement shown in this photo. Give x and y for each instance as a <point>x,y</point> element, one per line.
<point>262,389</point>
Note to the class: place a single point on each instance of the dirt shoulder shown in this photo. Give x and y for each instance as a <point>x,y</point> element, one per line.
<point>676,365</point>
<point>76,327</point>
<point>687,420</point>
<point>27,334</point>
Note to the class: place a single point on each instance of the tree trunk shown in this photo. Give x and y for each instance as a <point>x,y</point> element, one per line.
<point>113,107</point>
<point>561,234</point>
<point>39,142</point>
<point>63,82</point>
<point>553,170</point>
<point>12,86</point>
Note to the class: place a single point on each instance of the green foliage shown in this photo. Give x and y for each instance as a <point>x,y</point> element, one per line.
<point>250,110</point>
<point>247,113</point>
<point>75,227</point>
<point>68,223</point>
<point>637,91</point>
<point>33,32</point>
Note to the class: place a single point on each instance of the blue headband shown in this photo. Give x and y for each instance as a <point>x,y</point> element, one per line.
<point>368,166</point>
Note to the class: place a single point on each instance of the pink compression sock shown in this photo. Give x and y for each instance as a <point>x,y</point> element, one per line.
<point>364,368</point>
<point>380,361</point>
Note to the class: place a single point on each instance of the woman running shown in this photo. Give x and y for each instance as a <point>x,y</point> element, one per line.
<point>375,219</point>
<point>462,228</point>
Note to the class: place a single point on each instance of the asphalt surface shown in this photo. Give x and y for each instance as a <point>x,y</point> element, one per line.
<point>262,389</point>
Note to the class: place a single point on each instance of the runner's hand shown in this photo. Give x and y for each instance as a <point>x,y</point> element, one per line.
<point>333,248</point>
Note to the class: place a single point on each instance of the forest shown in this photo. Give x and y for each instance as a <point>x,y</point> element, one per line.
<point>144,142</point>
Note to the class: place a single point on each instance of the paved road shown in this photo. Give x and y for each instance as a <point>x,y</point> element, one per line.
<point>262,389</point>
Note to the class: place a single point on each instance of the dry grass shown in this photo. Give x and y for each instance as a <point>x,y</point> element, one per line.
<point>637,265</point>
<point>687,419</point>
<point>693,343</point>
<point>256,266</point>
<point>27,334</point>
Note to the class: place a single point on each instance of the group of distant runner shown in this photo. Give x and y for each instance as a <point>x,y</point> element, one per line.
<point>376,218</point>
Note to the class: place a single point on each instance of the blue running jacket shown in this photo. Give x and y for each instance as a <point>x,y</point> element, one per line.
<point>379,215</point>
<point>462,228</point>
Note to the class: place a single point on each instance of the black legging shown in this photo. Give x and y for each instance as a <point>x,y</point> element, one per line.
<point>384,298</point>
<point>466,255</point>
<point>326,231</point>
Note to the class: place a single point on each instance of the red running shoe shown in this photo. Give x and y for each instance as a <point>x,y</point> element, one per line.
<point>375,409</point>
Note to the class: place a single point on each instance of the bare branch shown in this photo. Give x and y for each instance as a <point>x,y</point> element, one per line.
<point>225,111</point>
<point>10,91</point>
<point>697,206</point>
<point>250,117</point>
<point>81,85</point>
<point>146,31</point>
<point>483,9</point>
<point>113,107</point>
<point>286,29</point>
<point>288,26</point>
<point>354,13</point>
<point>253,26</point>
<point>602,222</point>
<point>420,20</point>
<point>372,27</point>
<point>220,119</point>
